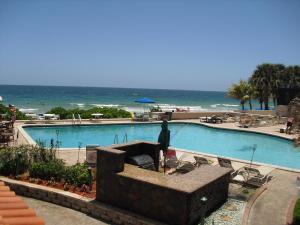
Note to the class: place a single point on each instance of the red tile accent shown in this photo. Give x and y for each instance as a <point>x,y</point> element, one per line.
<point>17,213</point>
<point>7,194</point>
<point>23,221</point>
<point>14,211</point>
<point>4,188</point>
<point>10,199</point>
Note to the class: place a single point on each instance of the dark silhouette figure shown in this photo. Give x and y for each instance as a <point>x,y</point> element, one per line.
<point>164,139</point>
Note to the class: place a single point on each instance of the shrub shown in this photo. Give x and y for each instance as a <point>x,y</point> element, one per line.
<point>13,161</point>
<point>5,110</point>
<point>63,113</point>
<point>297,213</point>
<point>47,170</point>
<point>77,175</point>
<point>16,160</point>
<point>108,112</point>
<point>40,153</point>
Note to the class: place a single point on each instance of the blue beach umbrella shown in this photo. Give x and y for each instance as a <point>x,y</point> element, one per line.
<point>144,100</point>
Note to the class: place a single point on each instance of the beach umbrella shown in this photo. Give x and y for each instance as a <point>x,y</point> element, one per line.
<point>164,140</point>
<point>144,101</point>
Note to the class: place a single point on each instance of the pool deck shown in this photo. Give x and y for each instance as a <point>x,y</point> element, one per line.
<point>271,207</point>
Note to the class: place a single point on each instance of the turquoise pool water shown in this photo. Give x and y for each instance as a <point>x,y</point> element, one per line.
<point>229,143</point>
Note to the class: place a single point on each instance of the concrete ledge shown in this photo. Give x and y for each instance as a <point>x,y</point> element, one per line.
<point>85,205</point>
<point>250,203</point>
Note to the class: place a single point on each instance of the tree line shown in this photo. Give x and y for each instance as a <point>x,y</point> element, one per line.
<point>264,84</point>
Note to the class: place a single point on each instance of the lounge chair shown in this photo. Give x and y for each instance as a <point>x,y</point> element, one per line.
<point>225,163</point>
<point>185,167</point>
<point>172,163</point>
<point>258,181</point>
<point>171,159</point>
<point>214,119</point>
<point>260,171</point>
<point>203,118</point>
<point>200,161</point>
<point>254,177</point>
<point>234,166</point>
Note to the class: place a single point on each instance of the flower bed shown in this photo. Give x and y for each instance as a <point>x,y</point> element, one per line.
<point>37,164</point>
<point>85,192</point>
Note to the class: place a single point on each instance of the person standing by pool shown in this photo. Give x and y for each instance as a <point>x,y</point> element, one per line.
<point>289,125</point>
<point>164,139</point>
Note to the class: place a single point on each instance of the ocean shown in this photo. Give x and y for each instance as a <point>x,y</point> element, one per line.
<point>39,99</point>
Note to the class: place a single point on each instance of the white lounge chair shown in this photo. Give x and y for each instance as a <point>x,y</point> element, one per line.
<point>254,176</point>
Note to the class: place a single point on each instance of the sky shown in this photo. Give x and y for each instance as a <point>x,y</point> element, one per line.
<point>169,44</point>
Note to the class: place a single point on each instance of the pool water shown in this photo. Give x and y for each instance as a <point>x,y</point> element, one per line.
<point>198,138</point>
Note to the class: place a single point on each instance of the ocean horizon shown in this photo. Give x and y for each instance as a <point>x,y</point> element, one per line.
<point>40,99</point>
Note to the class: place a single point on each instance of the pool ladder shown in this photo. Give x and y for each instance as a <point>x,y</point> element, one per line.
<point>125,139</point>
<point>116,139</point>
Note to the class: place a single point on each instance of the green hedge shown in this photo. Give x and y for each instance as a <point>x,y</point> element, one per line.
<point>296,220</point>
<point>107,112</point>
<point>5,110</point>
<point>17,160</point>
<point>41,163</point>
<point>47,170</point>
<point>77,175</point>
<point>14,161</point>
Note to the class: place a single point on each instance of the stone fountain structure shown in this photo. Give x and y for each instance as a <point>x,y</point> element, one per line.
<point>176,200</point>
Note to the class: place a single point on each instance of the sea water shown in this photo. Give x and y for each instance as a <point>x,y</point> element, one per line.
<point>39,99</point>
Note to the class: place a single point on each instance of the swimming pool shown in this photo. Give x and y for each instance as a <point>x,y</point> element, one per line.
<point>194,137</point>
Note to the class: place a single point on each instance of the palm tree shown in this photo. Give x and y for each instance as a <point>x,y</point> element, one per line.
<point>275,81</point>
<point>265,80</point>
<point>250,93</point>
<point>260,87</point>
<point>290,77</point>
<point>239,91</point>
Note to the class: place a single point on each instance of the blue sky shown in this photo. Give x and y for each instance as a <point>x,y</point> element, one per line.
<point>199,45</point>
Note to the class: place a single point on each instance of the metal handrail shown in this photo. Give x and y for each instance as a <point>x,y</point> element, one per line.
<point>79,118</point>
<point>116,139</point>
<point>125,139</point>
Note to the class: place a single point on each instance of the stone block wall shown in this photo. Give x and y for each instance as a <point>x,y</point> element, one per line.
<point>90,207</point>
<point>294,111</point>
